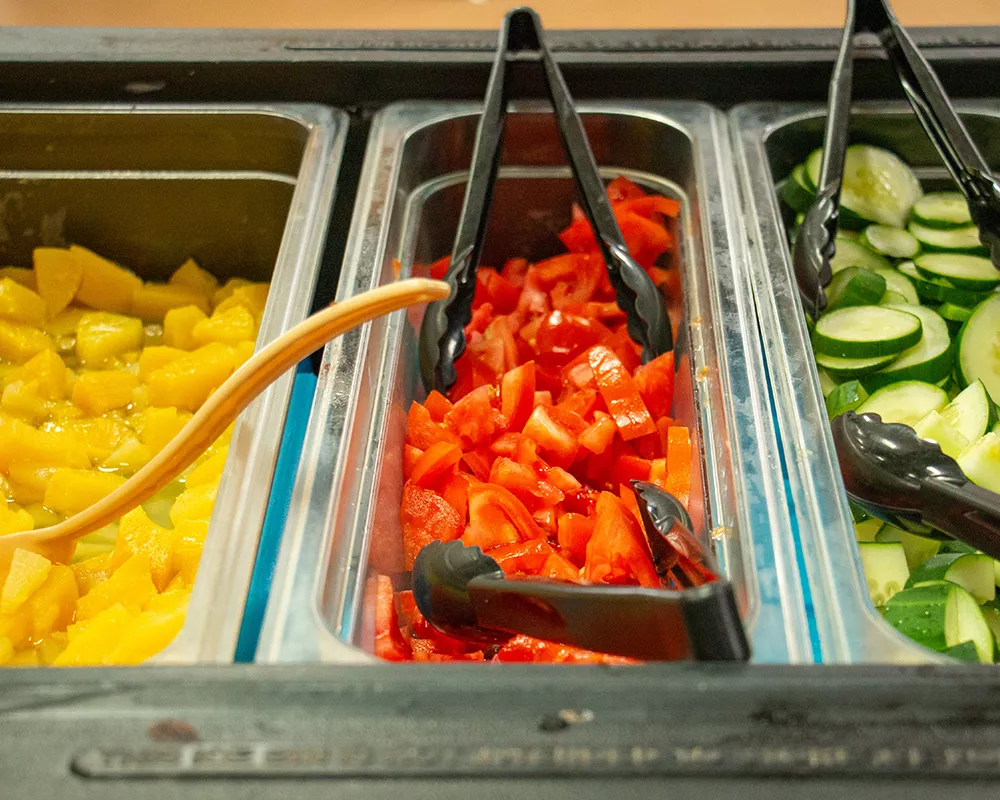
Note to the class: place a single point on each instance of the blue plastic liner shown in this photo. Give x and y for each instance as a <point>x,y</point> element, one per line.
<point>303,389</point>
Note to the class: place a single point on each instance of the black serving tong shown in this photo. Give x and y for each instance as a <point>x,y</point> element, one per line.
<point>908,482</point>
<point>815,241</point>
<point>442,336</point>
<point>463,592</point>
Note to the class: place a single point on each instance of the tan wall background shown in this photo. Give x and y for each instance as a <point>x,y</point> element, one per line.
<point>471,14</point>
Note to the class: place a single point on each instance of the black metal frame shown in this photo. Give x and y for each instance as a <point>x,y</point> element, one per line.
<point>456,730</point>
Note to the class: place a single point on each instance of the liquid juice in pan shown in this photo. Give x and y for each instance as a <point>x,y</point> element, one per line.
<point>531,454</point>
<point>98,371</point>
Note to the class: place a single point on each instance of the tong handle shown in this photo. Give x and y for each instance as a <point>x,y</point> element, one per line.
<point>966,512</point>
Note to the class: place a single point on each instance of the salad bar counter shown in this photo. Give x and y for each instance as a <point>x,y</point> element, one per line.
<point>242,629</point>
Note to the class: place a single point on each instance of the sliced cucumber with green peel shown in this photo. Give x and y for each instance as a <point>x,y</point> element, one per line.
<point>907,402</point>
<point>953,313</point>
<point>930,360</point>
<point>877,185</point>
<point>980,461</point>
<point>826,383</point>
<point>868,530</point>
<point>955,546</point>
<point>940,615</point>
<point>935,428</point>
<point>972,412</point>
<point>889,241</point>
<point>897,282</point>
<point>964,272</point>
<point>940,290</point>
<point>885,569</point>
<point>795,192</point>
<point>992,617</point>
<point>854,286</point>
<point>866,332</point>
<point>966,652</point>
<point>942,210</point>
<point>972,571</point>
<point>845,397</point>
<point>956,240</point>
<point>891,298</point>
<point>843,369</point>
<point>917,548</point>
<point>850,253</point>
<point>979,347</point>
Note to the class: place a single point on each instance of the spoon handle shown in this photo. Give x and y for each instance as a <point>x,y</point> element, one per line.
<point>968,512</point>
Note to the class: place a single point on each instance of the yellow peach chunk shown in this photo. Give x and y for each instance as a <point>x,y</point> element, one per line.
<point>190,274</point>
<point>178,325</point>
<point>49,372</point>
<point>92,571</point>
<point>24,658</point>
<point>130,456</point>
<point>195,503</point>
<point>99,437</point>
<point>23,399</point>
<point>29,480</point>
<point>230,326</point>
<point>56,447</point>
<point>101,335</point>
<point>57,275</point>
<point>18,342</point>
<point>152,358</point>
<point>17,627</point>
<point>147,635</point>
<point>104,284</point>
<point>53,605</point>
<point>19,304</point>
<point>6,651</point>
<point>14,520</point>
<point>100,392</point>
<point>91,641</point>
<point>187,382</point>
<point>152,301</point>
<point>72,490</point>
<point>65,323</point>
<point>242,352</point>
<point>28,571</point>
<point>159,425</point>
<point>226,291</point>
<point>139,535</point>
<point>22,275</point>
<point>209,470</point>
<point>188,548</point>
<point>41,516</point>
<point>131,585</point>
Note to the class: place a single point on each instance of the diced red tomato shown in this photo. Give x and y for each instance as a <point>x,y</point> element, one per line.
<point>437,405</point>
<point>495,289</point>
<point>488,496</point>
<point>620,394</point>
<point>621,188</point>
<point>562,336</point>
<point>439,268</point>
<point>555,440</point>
<point>411,455</point>
<point>514,271</point>
<point>482,316</point>
<point>627,496</point>
<point>434,463</point>
<point>426,517</point>
<point>617,552</point>
<point>474,419</point>
<point>597,437</point>
<point>678,481</point>
<point>422,431</point>
<point>517,395</point>
<point>521,649</point>
<point>655,382</point>
<point>522,480</point>
<point>574,531</point>
<point>559,568</point>
<point>521,557</point>
<point>455,491</point>
<point>630,468</point>
<point>390,644</point>
<point>543,398</point>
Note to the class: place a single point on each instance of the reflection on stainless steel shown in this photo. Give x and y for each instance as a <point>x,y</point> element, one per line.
<point>246,191</point>
<point>770,139</point>
<point>343,522</point>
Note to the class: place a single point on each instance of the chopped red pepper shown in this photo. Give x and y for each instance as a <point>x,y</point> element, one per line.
<point>620,395</point>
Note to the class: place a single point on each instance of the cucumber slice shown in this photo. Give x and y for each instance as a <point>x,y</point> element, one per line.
<point>854,286</point>
<point>866,332</point>
<point>972,413</point>
<point>896,282</point>
<point>979,347</point>
<point>878,186</point>
<point>889,241</point>
<point>891,298</point>
<point>850,253</point>
<point>940,615</point>
<point>940,290</point>
<point>992,617</point>
<point>942,210</point>
<point>930,360</point>
<point>953,313</point>
<point>868,530</point>
<point>826,383</point>
<point>957,240</point>
<point>846,397</point>
<point>917,548</point>
<point>965,272</point>
<point>885,569</point>
<point>972,571</point>
<point>980,461</point>
<point>955,546</point>
<point>794,191</point>
<point>936,428</point>
<point>843,369</point>
<point>907,402</point>
<point>966,652</point>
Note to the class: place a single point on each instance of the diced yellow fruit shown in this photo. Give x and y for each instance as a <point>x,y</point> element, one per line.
<point>53,605</point>
<point>152,358</point>
<point>146,636</point>
<point>49,372</point>
<point>17,627</point>
<point>187,382</point>
<point>100,437</point>
<point>20,440</point>
<point>24,658</point>
<point>22,275</point>
<point>72,490</point>
<point>6,651</point>
<point>18,342</point>
<point>99,392</point>
<point>131,586</point>
<point>29,480</point>
<point>209,470</point>
<point>14,520</point>
<point>57,275</point>
<point>140,397</point>
<point>178,325</point>
<point>131,456</point>
<point>160,425</point>
<point>41,516</point>
<point>152,301</point>
<point>152,334</point>
<point>195,503</point>
<point>188,548</point>
<point>23,399</point>
<point>101,335</point>
<point>177,584</point>
<point>92,571</point>
<point>226,291</point>
<point>190,274</point>
<point>49,649</point>
<point>98,543</point>
<point>242,352</point>
<point>66,322</point>
<point>20,304</point>
<point>229,326</point>
<point>139,535</point>
<point>92,641</point>
<point>104,285</point>
<point>28,571</point>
